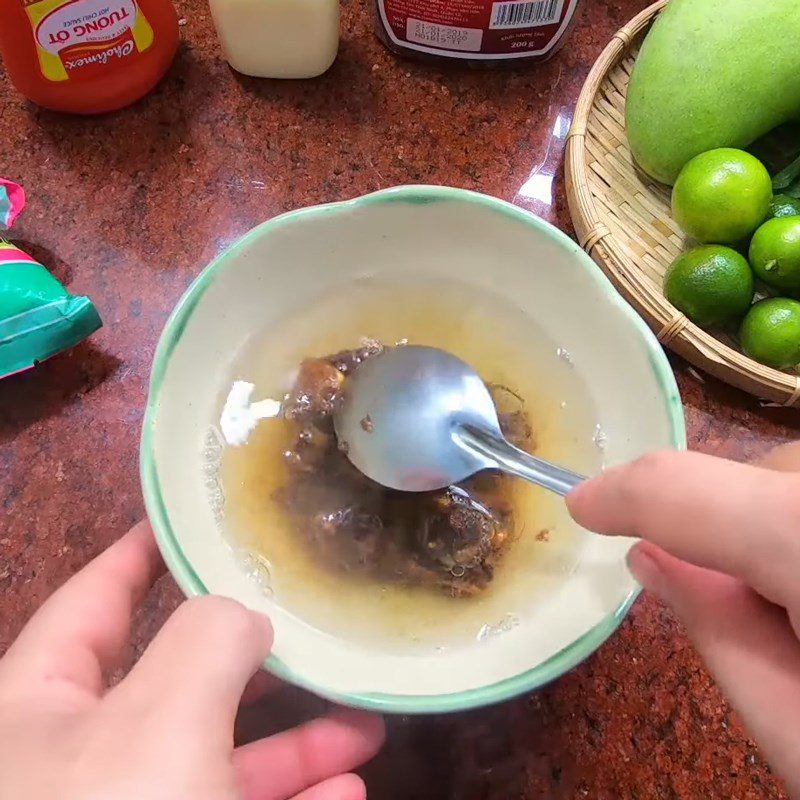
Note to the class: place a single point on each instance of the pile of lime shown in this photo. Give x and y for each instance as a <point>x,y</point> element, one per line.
<point>723,199</point>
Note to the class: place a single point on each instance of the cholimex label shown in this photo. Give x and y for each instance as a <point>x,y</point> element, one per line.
<point>79,39</point>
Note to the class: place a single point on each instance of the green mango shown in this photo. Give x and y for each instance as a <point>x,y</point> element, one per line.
<point>712,73</point>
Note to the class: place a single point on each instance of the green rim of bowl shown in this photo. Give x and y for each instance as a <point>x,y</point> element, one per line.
<point>190,582</point>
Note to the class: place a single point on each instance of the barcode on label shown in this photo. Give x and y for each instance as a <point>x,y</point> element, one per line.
<point>448,36</point>
<point>526,14</point>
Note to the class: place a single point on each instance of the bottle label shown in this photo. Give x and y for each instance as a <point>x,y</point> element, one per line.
<point>477,29</point>
<point>77,39</point>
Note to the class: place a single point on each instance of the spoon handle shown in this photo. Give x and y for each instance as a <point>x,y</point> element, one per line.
<point>507,458</point>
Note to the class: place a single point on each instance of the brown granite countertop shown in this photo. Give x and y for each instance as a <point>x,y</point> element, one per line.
<point>128,208</point>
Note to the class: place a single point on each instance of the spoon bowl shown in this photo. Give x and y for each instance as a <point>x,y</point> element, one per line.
<point>418,418</point>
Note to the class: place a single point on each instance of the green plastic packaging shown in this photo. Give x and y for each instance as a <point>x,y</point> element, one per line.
<point>38,316</point>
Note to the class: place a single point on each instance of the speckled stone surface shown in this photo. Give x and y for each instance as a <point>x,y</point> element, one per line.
<point>128,208</point>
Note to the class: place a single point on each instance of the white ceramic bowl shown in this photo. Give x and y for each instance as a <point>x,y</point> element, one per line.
<point>455,235</point>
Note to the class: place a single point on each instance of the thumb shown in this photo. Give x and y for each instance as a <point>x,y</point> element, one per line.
<point>695,594</point>
<point>198,665</point>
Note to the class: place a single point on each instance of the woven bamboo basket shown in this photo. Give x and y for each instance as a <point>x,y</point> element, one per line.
<point>622,219</point>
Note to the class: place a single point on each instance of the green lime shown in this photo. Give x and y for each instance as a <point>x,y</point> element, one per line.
<point>775,253</point>
<point>721,196</point>
<point>770,332</point>
<point>711,284</point>
<point>783,206</point>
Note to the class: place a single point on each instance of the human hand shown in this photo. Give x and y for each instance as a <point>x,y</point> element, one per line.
<point>721,548</point>
<point>166,731</point>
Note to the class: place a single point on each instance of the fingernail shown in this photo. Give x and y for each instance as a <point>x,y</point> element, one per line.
<point>644,566</point>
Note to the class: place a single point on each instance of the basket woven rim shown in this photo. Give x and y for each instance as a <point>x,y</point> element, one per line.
<point>672,328</point>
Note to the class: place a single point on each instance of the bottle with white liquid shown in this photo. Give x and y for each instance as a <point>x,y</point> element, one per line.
<point>278,38</point>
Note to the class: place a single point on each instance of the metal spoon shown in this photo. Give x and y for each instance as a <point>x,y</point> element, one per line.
<point>418,418</point>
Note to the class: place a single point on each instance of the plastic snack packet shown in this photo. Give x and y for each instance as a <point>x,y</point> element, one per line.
<point>12,201</point>
<point>38,316</point>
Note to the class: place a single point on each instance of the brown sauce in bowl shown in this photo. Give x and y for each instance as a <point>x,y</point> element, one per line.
<point>507,348</point>
<point>451,539</point>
